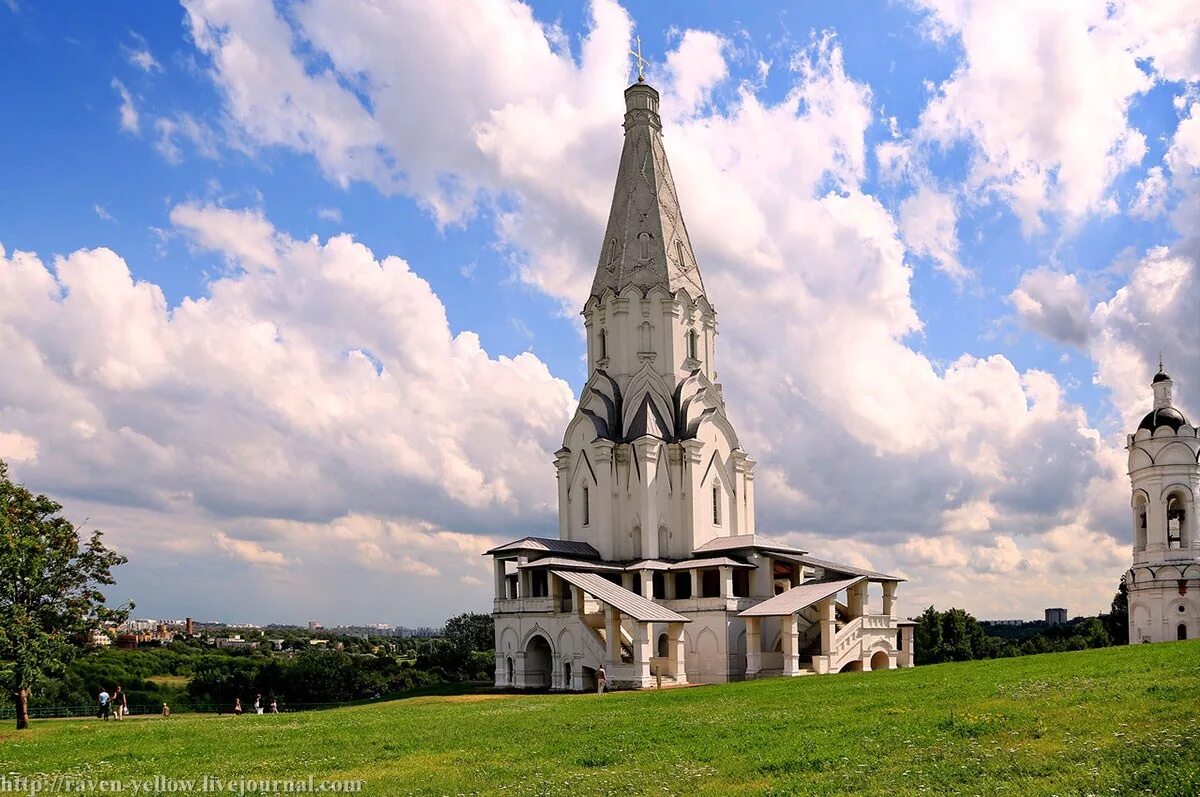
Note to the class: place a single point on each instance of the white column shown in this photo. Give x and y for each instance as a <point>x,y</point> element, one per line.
<point>647,577</point>
<point>675,652</point>
<point>791,664</point>
<point>695,573</point>
<point>627,580</point>
<point>646,451</point>
<point>907,655</point>
<point>827,609</point>
<point>641,651</point>
<point>612,635</point>
<point>753,646</point>
<point>562,464</point>
<point>856,599</point>
<point>726,581</point>
<point>500,571</point>
<point>889,598</point>
<point>524,584</point>
<point>602,507</point>
<point>519,669</point>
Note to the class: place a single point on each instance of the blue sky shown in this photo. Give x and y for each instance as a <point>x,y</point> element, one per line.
<point>206,150</point>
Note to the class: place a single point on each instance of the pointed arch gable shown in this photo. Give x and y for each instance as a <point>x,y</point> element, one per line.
<point>582,463</point>
<point>722,471</point>
<point>1175,454</point>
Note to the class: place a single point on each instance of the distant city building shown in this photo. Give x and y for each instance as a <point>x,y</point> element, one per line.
<point>1165,478</point>
<point>189,627</point>
<point>1057,616</point>
<point>234,642</point>
<point>314,625</point>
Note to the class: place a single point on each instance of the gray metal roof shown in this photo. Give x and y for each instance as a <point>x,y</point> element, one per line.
<point>547,545</point>
<point>742,541</point>
<point>648,564</point>
<point>798,598</point>
<point>571,564</point>
<point>641,609</point>
<point>851,570</point>
<point>716,561</point>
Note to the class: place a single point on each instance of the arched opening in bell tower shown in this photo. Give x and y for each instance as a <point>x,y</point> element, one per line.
<point>1176,519</point>
<point>1140,503</point>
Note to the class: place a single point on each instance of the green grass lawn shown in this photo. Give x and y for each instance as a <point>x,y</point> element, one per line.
<point>1103,722</point>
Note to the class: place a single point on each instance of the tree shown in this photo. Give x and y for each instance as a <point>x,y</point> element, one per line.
<point>1116,622</point>
<point>471,631</point>
<point>49,591</point>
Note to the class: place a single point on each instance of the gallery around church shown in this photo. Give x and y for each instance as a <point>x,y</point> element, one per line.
<point>657,573</point>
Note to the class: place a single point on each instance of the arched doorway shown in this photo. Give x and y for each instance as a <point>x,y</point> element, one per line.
<point>537,663</point>
<point>1181,632</point>
<point>880,661</point>
<point>853,666</point>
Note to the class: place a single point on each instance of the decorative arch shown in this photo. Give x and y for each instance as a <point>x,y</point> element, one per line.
<point>508,641</point>
<point>537,631</point>
<point>1139,458</point>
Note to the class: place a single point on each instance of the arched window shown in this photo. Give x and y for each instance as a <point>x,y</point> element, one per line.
<point>1139,521</point>
<point>508,669</point>
<point>716,503</point>
<point>603,344</point>
<point>587,505</point>
<point>1175,521</point>
<point>1181,632</point>
<point>663,541</point>
<point>662,646</point>
<point>693,344</point>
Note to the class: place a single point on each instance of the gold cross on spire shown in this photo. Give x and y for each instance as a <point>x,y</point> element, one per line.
<point>641,62</point>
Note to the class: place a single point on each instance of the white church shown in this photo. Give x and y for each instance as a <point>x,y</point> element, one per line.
<point>658,574</point>
<point>1164,469</point>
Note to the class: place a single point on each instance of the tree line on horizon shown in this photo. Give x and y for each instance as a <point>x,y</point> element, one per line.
<point>955,635</point>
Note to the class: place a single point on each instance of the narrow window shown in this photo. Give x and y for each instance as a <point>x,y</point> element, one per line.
<point>603,344</point>
<point>587,509</point>
<point>679,255</point>
<point>716,504</point>
<point>693,346</point>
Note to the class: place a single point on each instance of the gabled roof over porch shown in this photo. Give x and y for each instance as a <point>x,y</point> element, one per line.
<point>839,568</point>
<point>746,542</point>
<point>630,603</point>
<point>797,598</point>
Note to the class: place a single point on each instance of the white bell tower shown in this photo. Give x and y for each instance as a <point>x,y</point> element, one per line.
<point>1164,471</point>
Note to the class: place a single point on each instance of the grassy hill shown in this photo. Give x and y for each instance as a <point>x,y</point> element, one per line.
<point>1112,721</point>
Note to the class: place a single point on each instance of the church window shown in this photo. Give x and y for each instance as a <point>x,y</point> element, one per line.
<point>587,509</point>
<point>1181,632</point>
<point>716,504</point>
<point>1174,522</point>
<point>646,331</point>
<point>603,344</point>
<point>693,344</point>
<point>644,239</point>
<point>662,646</point>
<point>679,255</point>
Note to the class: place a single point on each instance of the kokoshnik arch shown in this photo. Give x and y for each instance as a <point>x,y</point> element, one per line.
<point>658,571</point>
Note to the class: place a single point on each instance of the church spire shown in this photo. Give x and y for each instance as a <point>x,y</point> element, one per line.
<point>646,242</point>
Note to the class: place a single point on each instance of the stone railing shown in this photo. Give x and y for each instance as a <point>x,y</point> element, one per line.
<point>513,605</point>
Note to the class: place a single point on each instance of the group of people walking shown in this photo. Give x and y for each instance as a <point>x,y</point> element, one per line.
<point>260,707</point>
<point>115,705</point>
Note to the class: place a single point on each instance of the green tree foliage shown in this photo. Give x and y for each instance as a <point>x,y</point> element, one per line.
<point>471,631</point>
<point>954,635</point>
<point>1116,622</point>
<point>50,596</point>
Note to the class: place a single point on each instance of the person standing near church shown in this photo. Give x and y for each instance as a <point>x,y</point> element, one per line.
<point>258,704</point>
<point>104,701</point>
<point>237,707</point>
<point>120,702</point>
<point>601,680</point>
